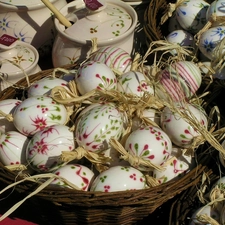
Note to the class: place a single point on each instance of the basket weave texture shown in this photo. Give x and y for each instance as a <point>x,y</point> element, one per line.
<point>79,207</point>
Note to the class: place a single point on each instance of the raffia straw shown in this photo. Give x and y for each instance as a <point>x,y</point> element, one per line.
<point>80,152</point>
<point>59,70</point>
<point>201,191</point>
<point>134,161</point>
<point>34,178</point>
<point>206,219</point>
<point>16,167</point>
<point>9,117</point>
<point>171,7</point>
<point>151,181</point>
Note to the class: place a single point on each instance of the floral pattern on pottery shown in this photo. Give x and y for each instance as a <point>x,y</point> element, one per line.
<point>210,39</point>
<point>45,147</point>
<point>95,75</point>
<point>134,82</point>
<point>149,143</point>
<point>181,132</point>
<point>77,174</point>
<point>36,113</point>
<point>191,15</point>
<point>7,106</point>
<point>12,148</point>
<point>95,127</point>
<point>119,178</point>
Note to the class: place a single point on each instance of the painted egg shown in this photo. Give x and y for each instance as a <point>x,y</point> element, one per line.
<point>13,148</point>
<point>95,75</point>
<point>44,86</point>
<point>149,143</point>
<point>191,15</point>
<point>204,210</point>
<point>182,38</point>
<point>114,57</point>
<point>178,129</point>
<point>173,24</point>
<point>7,106</point>
<point>45,147</point>
<point>180,80</point>
<point>95,127</point>
<point>148,114</point>
<point>119,178</point>
<point>174,169</point>
<point>36,113</point>
<point>216,8</point>
<point>210,39</point>
<point>134,82</point>
<point>79,175</point>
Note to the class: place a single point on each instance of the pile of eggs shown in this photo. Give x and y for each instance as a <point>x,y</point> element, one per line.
<point>188,24</point>
<point>38,132</point>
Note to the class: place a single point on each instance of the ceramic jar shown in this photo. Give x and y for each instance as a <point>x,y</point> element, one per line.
<point>17,59</point>
<point>112,24</point>
<point>29,21</point>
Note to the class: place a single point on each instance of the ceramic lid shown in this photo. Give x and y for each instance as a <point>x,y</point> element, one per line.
<point>99,19</point>
<point>13,51</point>
<point>27,3</point>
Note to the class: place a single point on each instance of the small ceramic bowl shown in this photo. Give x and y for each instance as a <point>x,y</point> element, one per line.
<point>113,24</point>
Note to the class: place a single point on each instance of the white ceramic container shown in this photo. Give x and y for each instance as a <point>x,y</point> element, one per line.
<point>29,21</point>
<point>17,59</point>
<point>113,25</point>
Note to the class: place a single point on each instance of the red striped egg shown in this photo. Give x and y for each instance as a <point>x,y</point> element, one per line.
<point>180,80</point>
<point>113,57</point>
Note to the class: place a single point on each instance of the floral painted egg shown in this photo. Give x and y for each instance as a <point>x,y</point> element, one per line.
<point>44,86</point>
<point>191,15</point>
<point>119,178</point>
<point>95,127</point>
<point>134,82</point>
<point>95,75</point>
<point>208,210</point>
<point>178,129</point>
<point>13,148</point>
<point>114,57</point>
<point>7,106</point>
<point>216,8</point>
<point>174,169</point>
<point>149,143</point>
<point>36,113</point>
<point>210,39</point>
<point>45,147</point>
<point>182,38</point>
<point>79,175</point>
<point>180,80</point>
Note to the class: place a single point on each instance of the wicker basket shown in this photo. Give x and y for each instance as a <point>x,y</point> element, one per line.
<point>79,207</point>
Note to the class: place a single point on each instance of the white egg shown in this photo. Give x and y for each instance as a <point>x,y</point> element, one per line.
<point>191,15</point>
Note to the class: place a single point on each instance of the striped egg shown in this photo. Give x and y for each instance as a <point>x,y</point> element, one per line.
<point>113,57</point>
<point>180,80</point>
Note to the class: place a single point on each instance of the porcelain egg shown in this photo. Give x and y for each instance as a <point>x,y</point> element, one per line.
<point>95,75</point>
<point>191,15</point>
<point>13,148</point>
<point>134,82</point>
<point>7,106</point>
<point>149,143</point>
<point>178,129</point>
<point>45,85</point>
<point>114,57</point>
<point>210,39</point>
<point>79,175</point>
<point>208,210</point>
<point>45,147</point>
<point>119,178</point>
<point>95,127</point>
<point>35,113</point>
<point>180,80</point>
